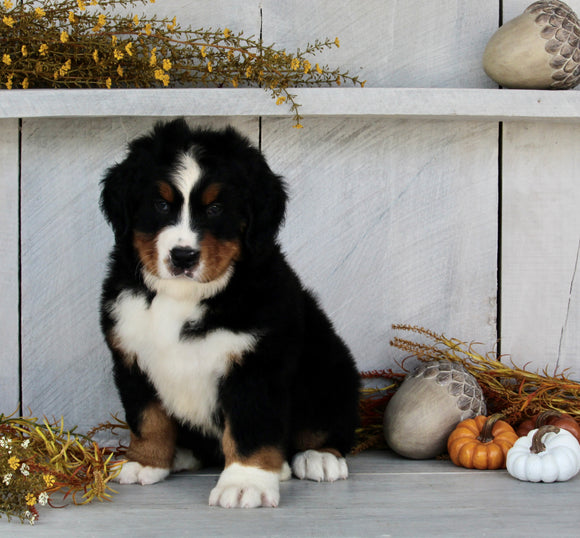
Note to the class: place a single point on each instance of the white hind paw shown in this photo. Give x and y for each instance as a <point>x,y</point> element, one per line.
<point>319,466</point>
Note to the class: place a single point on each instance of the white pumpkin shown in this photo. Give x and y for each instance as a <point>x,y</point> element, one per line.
<point>547,454</point>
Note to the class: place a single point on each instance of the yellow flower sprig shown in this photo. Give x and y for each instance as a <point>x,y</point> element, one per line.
<point>38,458</point>
<point>87,44</point>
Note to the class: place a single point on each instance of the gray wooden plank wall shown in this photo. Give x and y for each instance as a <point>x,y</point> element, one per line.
<point>389,220</point>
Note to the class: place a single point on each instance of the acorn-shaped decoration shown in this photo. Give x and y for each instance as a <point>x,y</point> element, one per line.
<point>428,406</point>
<point>539,49</point>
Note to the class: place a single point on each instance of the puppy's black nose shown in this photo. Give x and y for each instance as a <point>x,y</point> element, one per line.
<point>184,257</point>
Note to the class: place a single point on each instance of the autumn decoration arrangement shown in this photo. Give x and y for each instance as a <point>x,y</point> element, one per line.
<point>531,425</point>
<point>40,459</point>
<point>477,410</point>
<point>99,44</point>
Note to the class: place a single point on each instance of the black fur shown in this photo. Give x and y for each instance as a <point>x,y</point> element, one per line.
<point>300,376</point>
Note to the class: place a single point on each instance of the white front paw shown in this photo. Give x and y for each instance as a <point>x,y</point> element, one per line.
<point>319,466</point>
<point>241,486</point>
<point>133,472</point>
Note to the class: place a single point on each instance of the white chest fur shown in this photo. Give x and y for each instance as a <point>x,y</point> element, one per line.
<point>185,372</point>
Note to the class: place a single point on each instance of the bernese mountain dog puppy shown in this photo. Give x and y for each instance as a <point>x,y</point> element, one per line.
<point>220,355</point>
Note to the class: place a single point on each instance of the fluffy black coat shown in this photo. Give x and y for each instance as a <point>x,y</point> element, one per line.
<point>300,381</point>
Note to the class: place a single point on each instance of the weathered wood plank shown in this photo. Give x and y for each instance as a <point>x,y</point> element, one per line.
<point>9,351</point>
<point>418,103</point>
<point>65,243</point>
<point>390,43</point>
<point>384,495</point>
<point>393,222</point>
<point>541,240</point>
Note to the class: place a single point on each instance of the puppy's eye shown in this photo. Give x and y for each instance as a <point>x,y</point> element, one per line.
<point>214,210</point>
<point>162,206</point>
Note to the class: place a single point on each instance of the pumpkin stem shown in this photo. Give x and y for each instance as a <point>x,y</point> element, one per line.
<point>544,416</point>
<point>485,435</point>
<point>537,445</point>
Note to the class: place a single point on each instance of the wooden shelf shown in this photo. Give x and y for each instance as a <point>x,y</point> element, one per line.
<point>435,103</point>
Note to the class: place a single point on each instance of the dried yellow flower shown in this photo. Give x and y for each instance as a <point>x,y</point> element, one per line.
<point>172,25</point>
<point>136,20</point>
<point>7,59</point>
<point>167,64</point>
<point>280,100</point>
<point>209,67</point>
<point>24,51</point>
<point>203,53</point>
<point>8,21</point>
<point>13,461</point>
<point>227,33</point>
<point>295,64</point>
<point>307,67</point>
<point>96,56</point>
<point>109,83</point>
<point>318,69</point>
<point>82,5</point>
<point>119,70</point>
<point>148,29</point>
<point>43,49</point>
<point>118,54</point>
<point>64,36</point>
<point>162,76</point>
<point>337,42</point>
<point>153,58</point>
<point>129,48</point>
<point>49,480</point>
<point>25,83</point>
<point>235,82</point>
<point>71,17</point>
<point>298,126</point>
<point>30,499</point>
<point>39,12</point>
<point>8,4</point>
<point>9,87</point>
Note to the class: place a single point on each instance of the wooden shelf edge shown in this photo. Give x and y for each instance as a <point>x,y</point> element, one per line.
<point>435,103</point>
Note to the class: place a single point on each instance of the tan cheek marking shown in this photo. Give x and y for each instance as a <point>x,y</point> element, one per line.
<point>166,191</point>
<point>217,256</point>
<point>268,458</point>
<point>210,194</point>
<point>155,445</point>
<point>146,245</point>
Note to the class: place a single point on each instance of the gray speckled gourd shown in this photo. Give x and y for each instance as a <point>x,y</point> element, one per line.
<point>427,407</point>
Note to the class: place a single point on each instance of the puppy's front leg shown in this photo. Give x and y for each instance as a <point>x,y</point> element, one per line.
<point>251,479</point>
<point>152,448</point>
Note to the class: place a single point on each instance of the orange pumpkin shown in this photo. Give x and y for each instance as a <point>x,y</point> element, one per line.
<point>550,418</point>
<point>481,442</point>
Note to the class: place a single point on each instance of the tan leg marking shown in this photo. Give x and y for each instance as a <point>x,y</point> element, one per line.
<point>268,458</point>
<point>155,446</point>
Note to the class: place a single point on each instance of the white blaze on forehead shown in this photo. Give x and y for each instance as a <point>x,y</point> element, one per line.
<point>185,176</point>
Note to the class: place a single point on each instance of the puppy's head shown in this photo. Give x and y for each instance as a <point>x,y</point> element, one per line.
<point>191,203</point>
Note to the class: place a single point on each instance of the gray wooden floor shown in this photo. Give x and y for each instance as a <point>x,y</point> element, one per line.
<point>384,496</point>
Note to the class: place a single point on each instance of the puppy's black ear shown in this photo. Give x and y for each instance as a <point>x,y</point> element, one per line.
<point>115,199</point>
<point>267,207</point>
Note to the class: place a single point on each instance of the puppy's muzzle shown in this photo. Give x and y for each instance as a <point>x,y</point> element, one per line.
<point>184,258</point>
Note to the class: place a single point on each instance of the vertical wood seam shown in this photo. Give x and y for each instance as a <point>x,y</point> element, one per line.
<point>19,284</point>
<point>499,234</point>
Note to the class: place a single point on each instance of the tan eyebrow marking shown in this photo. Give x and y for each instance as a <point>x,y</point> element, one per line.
<point>166,191</point>
<point>211,193</point>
